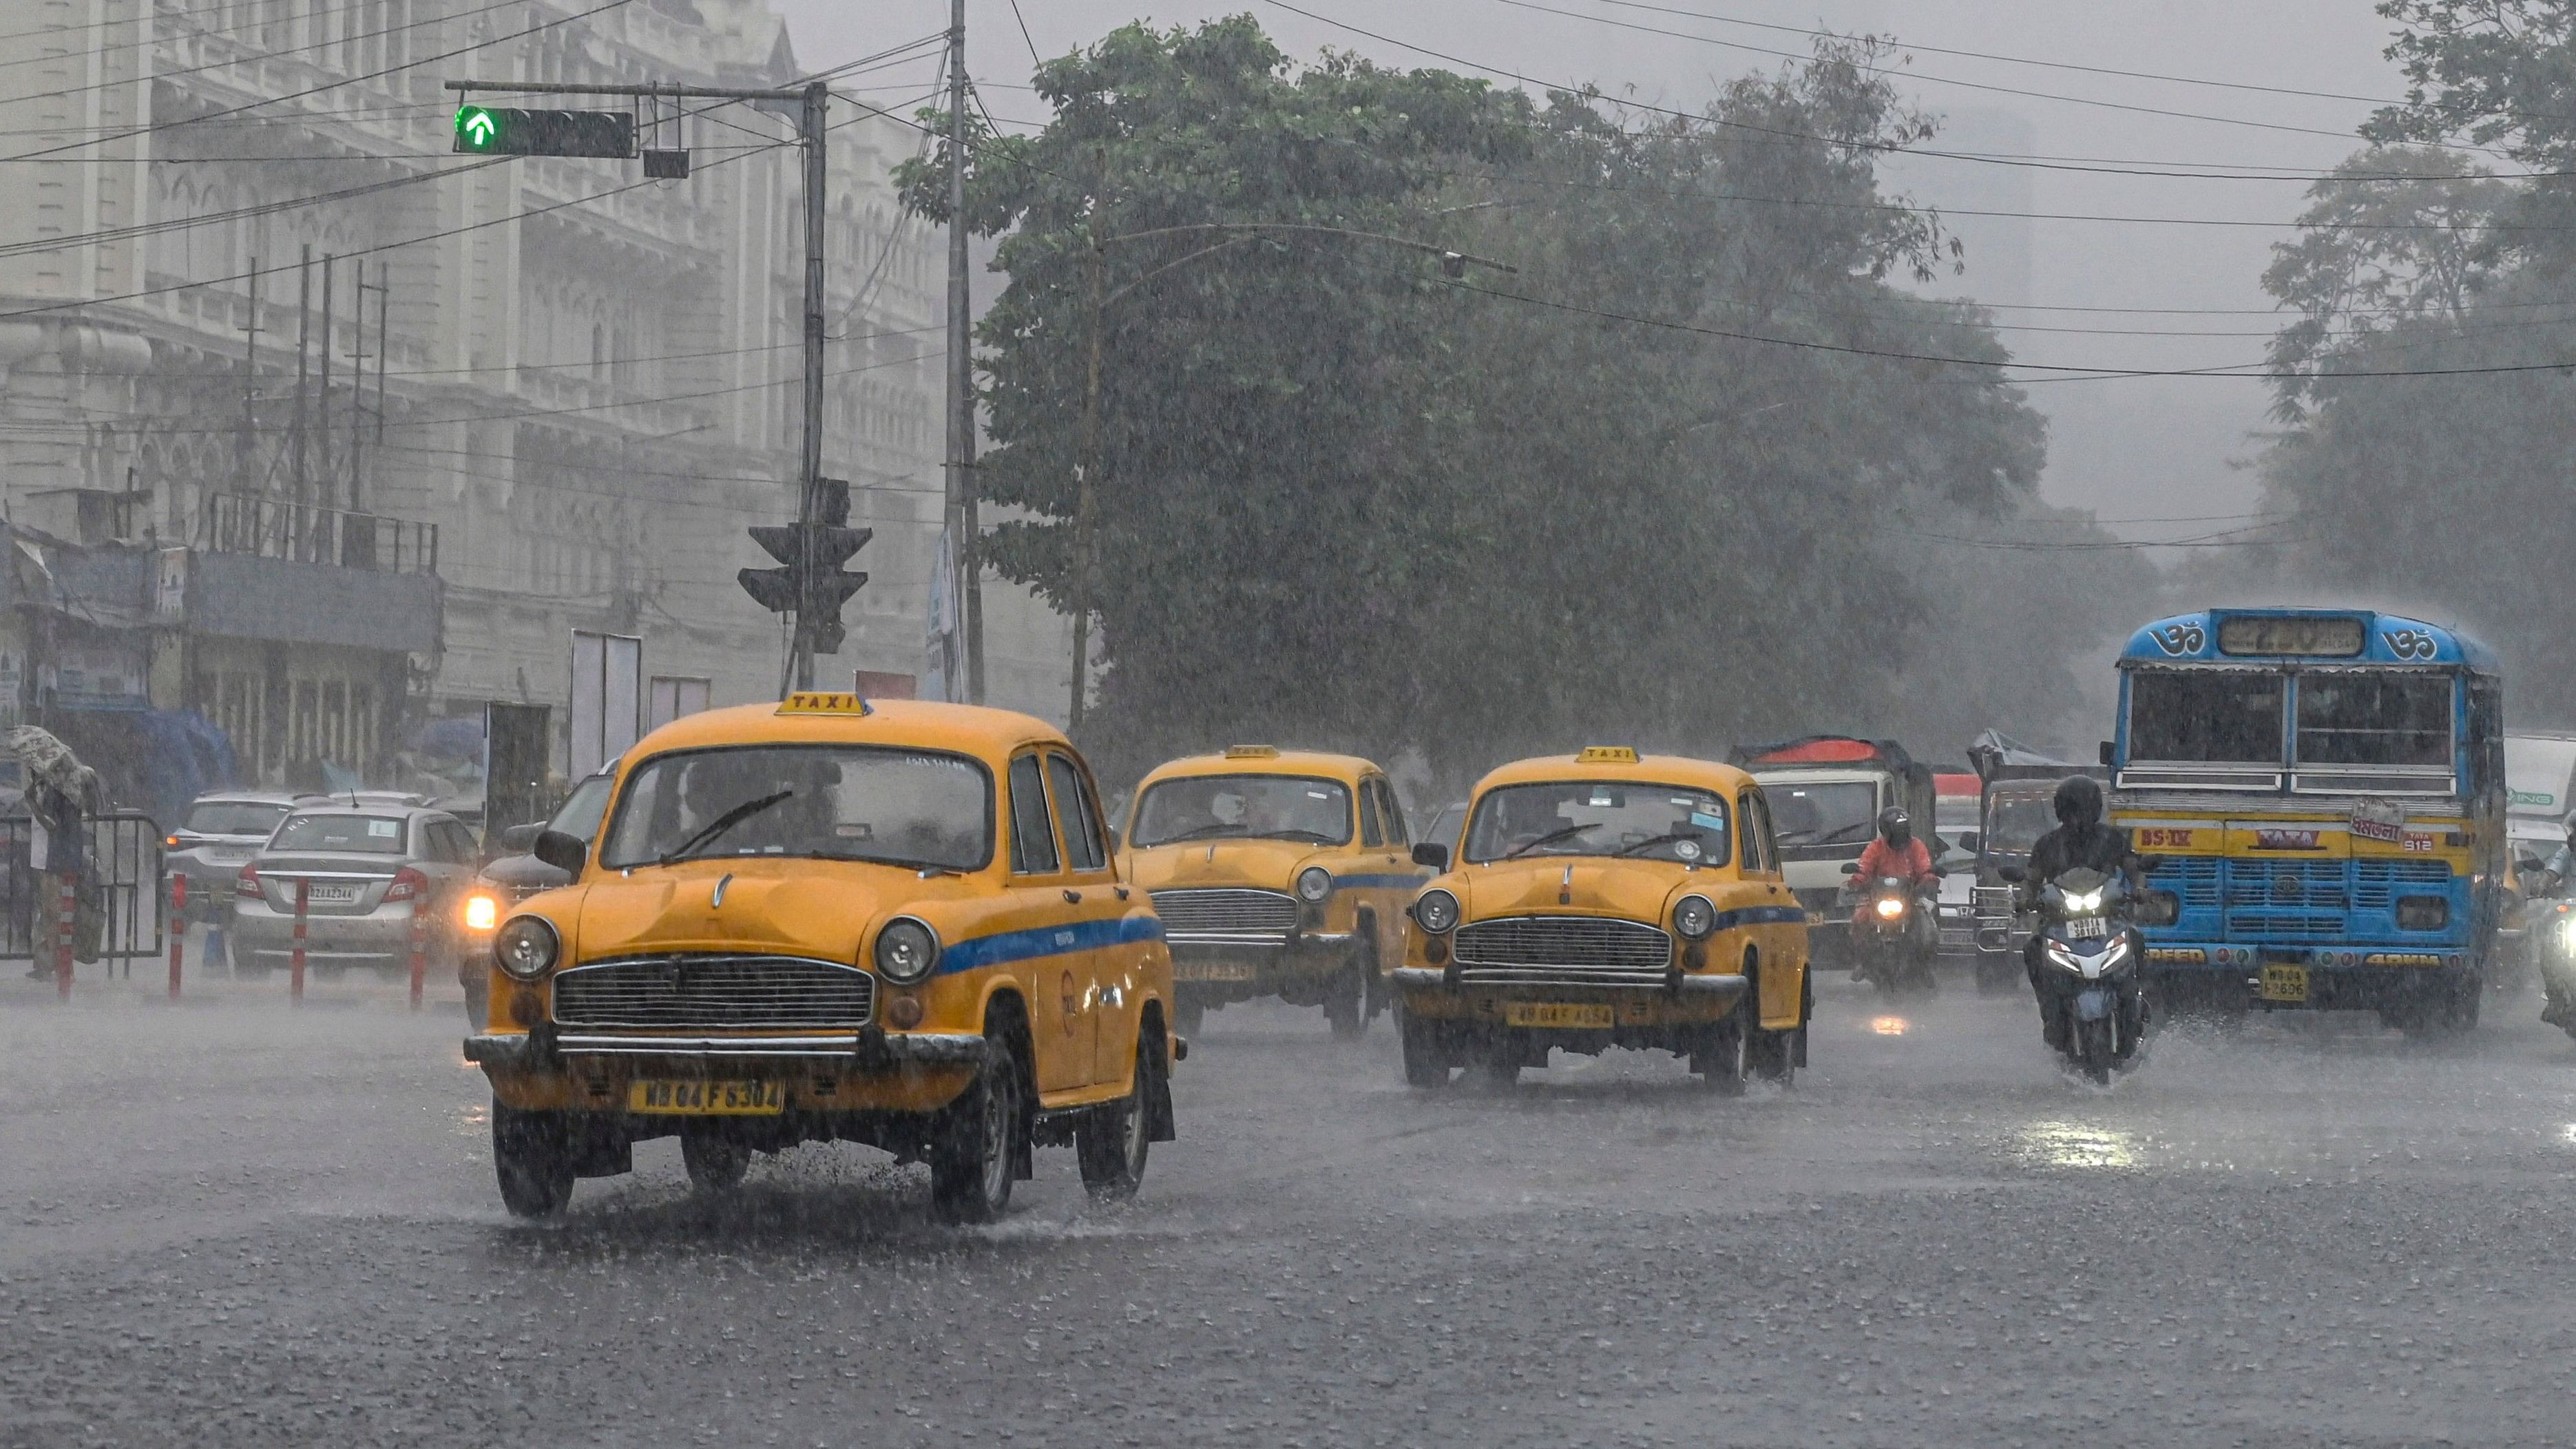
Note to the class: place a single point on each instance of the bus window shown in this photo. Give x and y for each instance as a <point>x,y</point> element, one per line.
<point>2375,719</point>
<point>2205,716</point>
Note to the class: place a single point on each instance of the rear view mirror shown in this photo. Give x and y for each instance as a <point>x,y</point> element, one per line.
<point>2529,863</point>
<point>1851,867</point>
<point>2012,873</point>
<point>1432,854</point>
<point>2106,754</point>
<point>520,839</point>
<point>1971,842</point>
<point>564,852</point>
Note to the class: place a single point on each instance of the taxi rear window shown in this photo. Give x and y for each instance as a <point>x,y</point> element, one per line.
<point>822,802</point>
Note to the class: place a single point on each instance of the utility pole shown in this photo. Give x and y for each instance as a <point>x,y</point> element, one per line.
<point>250,389</point>
<point>303,359</point>
<point>809,505</point>
<point>963,526</point>
<point>330,489</point>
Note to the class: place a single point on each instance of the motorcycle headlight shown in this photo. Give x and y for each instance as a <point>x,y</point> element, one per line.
<point>1436,912</point>
<point>526,947</point>
<point>1694,917</point>
<point>2059,956</point>
<point>2084,903</point>
<point>2118,953</point>
<point>2567,934</point>
<point>1314,883</point>
<point>906,951</point>
<point>1891,908</point>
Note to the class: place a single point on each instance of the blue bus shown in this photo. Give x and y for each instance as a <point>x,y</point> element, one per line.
<point>2319,795</point>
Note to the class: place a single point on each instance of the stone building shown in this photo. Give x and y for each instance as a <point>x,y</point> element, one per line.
<point>387,424</point>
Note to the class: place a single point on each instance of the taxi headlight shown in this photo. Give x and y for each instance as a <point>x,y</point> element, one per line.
<point>1436,912</point>
<point>1314,883</point>
<point>906,951</point>
<point>1891,907</point>
<point>526,947</point>
<point>1694,917</point>
<point>482,912</point>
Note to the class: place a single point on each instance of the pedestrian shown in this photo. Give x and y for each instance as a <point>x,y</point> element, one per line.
<point>62,796</point>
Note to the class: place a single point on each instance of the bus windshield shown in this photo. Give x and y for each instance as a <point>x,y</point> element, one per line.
<point>2205,716</point>
<point>2397,717</point>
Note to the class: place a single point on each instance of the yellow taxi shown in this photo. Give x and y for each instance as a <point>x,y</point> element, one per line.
<point>832,918</point>
<point>1276,873</point>
<point>1608,899</point>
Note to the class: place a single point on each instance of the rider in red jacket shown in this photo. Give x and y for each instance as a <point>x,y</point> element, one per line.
<point>1896,853</point>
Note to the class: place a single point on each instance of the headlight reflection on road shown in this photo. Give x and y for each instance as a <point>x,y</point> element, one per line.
<point>1889,1025</point>
<point>2068,1144</point>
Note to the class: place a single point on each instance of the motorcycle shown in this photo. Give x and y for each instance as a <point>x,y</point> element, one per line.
<point>2091,992</point>
<point>1893,938</point>
<point>2549,940</point>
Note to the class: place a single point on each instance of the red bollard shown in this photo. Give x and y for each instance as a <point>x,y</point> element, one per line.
<point>419,948</point>
<point>295,963</point>
<point>178,929</point>
<point>66,917</point>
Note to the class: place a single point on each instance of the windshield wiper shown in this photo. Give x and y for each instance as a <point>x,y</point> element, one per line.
<point>1829,837</point>
<point>1219,828</point>
<point>720,825</point>
<point>1652,841</point>
<point>1553,836</point>
<point>1293,833</point>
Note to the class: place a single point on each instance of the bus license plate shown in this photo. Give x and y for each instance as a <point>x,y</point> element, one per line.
<point>707,1099</point>
<point>2285,983</point>
<point>1556,1014</point>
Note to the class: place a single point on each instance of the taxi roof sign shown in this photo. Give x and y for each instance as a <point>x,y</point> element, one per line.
<point>1607,755</point>
<point>1252,752</point>
<point>823,701</point>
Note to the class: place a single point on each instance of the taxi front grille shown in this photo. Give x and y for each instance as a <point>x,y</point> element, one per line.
<point>713,992</point>
<point>1226,916</point>
<point>1563,950</point>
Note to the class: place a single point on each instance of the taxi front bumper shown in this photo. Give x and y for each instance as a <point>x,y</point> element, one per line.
<point>824,1073</point>
<point>1217,970</point>
<point>1682,998</point>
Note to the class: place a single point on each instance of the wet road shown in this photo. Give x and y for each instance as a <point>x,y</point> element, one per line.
<point>227,1225</point>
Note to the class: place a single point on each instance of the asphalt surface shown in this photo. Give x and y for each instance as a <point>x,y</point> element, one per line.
<point>226,1223</point>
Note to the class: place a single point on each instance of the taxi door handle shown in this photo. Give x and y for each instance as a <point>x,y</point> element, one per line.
<point>1074,897</point>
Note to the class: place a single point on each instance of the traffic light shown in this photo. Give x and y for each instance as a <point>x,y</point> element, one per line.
<point>508,131</point>
<point>812,584</point>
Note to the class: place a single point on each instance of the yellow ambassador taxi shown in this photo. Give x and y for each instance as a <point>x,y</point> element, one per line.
<point>885,922</point>
<point>1276,873</point>
<point>1608,899</point>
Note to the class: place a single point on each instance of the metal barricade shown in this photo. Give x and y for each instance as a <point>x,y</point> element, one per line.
<point>124,882</point>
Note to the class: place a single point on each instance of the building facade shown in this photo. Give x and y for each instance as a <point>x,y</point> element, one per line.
<point>393,423</point>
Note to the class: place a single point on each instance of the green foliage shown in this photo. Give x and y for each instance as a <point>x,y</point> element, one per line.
<point>1346,499</point>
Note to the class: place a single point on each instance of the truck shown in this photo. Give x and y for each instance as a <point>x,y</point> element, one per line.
<point>1825,793</point>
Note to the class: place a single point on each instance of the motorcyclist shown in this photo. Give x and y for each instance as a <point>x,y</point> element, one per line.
<point>2549,881</point>
<point>2560,867</point>
<point>2080,841</point>
<point>1895,852</point>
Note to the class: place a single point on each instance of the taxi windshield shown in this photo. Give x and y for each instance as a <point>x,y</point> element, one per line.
<point>826,802</point>
<point>1244,807</point>
<point>1599,817</point>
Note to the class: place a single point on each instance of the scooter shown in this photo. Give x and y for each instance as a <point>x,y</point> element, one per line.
<point>2549,941</point>
<point>2092,996</point>
<point>1892,935</point>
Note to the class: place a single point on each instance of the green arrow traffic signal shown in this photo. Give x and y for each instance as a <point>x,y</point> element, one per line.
<point>476,128</point>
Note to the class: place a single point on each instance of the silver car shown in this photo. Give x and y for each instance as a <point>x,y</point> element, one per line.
<point>222,831</point>
<point>366,871</point>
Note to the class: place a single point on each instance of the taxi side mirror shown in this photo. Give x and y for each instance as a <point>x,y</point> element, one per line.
<point>520,839</point>
<point>1432,854</point>
<point>564,852</point>
<point>2012,873</point>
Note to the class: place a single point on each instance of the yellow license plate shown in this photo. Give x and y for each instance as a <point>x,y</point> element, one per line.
<point>2285,983</point>
<point>1556,1014</point>
<point>707,1099</point>
<point>1211,971</point>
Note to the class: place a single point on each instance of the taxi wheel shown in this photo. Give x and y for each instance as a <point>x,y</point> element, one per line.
<point>531,1159</point>
<point>974,1150</point>
<point>1426,1058</point>
<point>715,1164</point>
<point>478,1002</point>
<point>1346,1003</point>
<point>1722,1058</point>
<point>1112,1140</point>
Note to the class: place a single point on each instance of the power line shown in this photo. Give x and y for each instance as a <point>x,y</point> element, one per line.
<point>44,30</point>
<point>287,50</point>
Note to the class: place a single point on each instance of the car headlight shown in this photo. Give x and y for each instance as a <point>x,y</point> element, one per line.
<point>1437,912</point>
<point>1694,917</point>
<point>1891,907</point>
<point>526,947</point>
<point>1314,883</point>
<point>482,911</point>
<point>906,951</point>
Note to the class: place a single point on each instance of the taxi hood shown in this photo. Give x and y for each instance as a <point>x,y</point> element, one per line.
<point>1261,864</point>
<point>1583,885</point>
<point>811,908</point>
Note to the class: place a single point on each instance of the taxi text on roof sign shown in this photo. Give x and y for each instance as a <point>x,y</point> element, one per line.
<point>1606,755</point>
<point>816,701</point>
<point>1252,752</point>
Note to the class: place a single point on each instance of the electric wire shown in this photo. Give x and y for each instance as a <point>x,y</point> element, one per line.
<point>162,75</point>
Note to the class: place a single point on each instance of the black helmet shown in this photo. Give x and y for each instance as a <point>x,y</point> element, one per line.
<point>2079,801</point>
<point>1896,825</point>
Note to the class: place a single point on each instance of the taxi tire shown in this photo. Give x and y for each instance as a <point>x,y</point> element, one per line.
<point>714,1164</point>
<point>478,1002</point>
<point>1112,1141</point>
<point>533,1161</point>
<point>975,1143</point>
<point>1346,1001</point>
<point>1426,1056</point>
<point>1724,1057</point>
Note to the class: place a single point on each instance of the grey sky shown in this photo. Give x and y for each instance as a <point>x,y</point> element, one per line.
<point>2131,449</point>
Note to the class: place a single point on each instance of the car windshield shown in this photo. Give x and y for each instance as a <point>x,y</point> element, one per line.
<point>1599,817</point>
<point>832,802</point>
<point>344,833</point>
<point>2205,716</point>
<point>580,812</point>
<point>2014,823</point>
<point>233,817</point>
<point>1844,813</point>
<point>1217,807</point>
